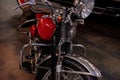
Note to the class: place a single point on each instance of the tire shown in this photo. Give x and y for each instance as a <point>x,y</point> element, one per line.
<point>68,64</point>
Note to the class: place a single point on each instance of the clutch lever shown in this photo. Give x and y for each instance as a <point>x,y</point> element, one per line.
<point>30,2</point>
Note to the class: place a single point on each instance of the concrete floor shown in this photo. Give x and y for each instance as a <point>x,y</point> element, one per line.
<point>100,38</point>
<point>102,50</point>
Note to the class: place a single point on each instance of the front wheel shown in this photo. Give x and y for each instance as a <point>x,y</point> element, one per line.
<point>68,64</point>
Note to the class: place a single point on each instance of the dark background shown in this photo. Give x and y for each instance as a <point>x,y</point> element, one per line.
<point>100,35</point>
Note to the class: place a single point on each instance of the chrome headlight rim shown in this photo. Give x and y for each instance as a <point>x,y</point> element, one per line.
<point>87,8</point>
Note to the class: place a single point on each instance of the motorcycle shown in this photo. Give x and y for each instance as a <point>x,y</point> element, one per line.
<point>50,30</point>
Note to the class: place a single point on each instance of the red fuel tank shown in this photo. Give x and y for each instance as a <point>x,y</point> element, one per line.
<point>46,28</point>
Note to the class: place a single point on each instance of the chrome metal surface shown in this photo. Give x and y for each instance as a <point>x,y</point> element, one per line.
<point>92,70</point>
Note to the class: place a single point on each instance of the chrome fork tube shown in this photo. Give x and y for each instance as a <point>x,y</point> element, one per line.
<point>59,60</point>
<point>64,38</point>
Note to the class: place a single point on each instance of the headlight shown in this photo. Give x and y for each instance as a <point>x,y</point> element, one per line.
<point>83,8</point>
<point>87,7</point>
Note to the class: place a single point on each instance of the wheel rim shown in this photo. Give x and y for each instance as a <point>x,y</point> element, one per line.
<point>64,76</point>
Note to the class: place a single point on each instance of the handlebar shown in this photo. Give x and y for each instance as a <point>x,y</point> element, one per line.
<point>30,2</point>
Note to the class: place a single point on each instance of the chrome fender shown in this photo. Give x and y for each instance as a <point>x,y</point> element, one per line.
<point>89,66</point>
<point>93,71</point>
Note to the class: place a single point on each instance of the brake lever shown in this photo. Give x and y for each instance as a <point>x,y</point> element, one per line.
<point>30,2</point>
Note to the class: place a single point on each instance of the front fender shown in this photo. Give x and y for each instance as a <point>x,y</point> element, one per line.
<point>85,63</point>
<point>89,66</point>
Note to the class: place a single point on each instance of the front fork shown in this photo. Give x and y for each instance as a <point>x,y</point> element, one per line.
<point>61,54</point>
<point>63,48</point>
